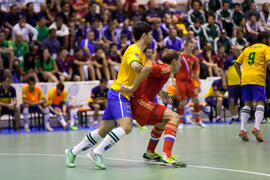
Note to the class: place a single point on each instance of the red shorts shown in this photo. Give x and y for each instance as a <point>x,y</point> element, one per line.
<point>146,112</point>
<point>185,89</point>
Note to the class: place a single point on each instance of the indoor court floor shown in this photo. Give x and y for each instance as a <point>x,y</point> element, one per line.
<point>213,153</point>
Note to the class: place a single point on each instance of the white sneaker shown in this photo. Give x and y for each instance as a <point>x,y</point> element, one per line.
<point>201,124</point>
<point>180,126</point>
<point>26,128</point>
<point>48,128</point>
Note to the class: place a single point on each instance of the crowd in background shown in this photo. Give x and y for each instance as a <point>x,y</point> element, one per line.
<point>71,40</point>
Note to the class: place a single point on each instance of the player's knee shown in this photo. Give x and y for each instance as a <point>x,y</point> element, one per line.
<point>127,128</point>
<point>219,99</point>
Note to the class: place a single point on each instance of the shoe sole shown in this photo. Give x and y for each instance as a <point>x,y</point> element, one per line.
<point>242,137</point>
<point>256,136</point>
<point>90,157</point>
<point>66,152</point>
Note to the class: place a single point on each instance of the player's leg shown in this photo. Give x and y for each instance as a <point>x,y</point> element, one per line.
<point>17,114</point>
<point>26,117</point>
<point>219,108</point>
<point>181,89</point>
<point>60,117</point>
<point>96,108</point>
<point>44,108</point>
<point>73,110</point>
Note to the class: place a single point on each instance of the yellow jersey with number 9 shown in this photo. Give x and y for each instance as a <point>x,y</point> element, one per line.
<point>126,74</point>
<point>254,59</point>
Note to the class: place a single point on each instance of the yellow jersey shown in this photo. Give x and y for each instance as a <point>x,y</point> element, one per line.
<point>233,78</point>
<point>254,60</point>
<point>216,86</point>
<point>54,99</point>
<point>34,96</point>
<point>126,74</point>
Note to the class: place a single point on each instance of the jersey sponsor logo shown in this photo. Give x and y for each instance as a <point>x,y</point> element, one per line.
<point>137,55</point>
<point>146,105</point>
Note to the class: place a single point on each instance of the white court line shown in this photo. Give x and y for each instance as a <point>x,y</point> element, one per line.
<point>140,161</point>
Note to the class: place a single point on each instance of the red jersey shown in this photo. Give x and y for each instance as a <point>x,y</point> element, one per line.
<point>150,87</point>
<point>189,64</point>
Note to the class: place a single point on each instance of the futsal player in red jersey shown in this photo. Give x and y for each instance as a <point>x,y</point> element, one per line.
<point>146,112</point>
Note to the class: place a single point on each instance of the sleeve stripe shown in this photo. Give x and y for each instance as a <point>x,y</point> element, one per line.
<point>237,63</point>
<point>268,60</point>
<point>136,61</point>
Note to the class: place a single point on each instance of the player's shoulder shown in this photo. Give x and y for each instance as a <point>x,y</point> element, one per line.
<point>133,47</point>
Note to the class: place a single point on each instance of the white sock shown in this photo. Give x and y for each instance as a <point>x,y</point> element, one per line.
<point>235,117</point>
<point>47,117</point>
<point>245,114</point>
<point>26,116</point>
<point>73,116</point>
<point>259,113</point>
<point>110,139</point>
<point>62,120</point>
<point>89,141</point>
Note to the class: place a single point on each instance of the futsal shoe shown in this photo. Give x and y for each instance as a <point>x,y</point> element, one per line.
<point>96,159</point>
<point>243,135</point>
<point>70,158</point>
<point>172,161</point>
<point>201,124</point>
<point>26,128</point>
<point>73,127</point>
<point>48,128</point>
<point>257,134</point>
<point>152,157</point>
<point>67,126</point>
<point>143,128</point>
<point>180,126</point>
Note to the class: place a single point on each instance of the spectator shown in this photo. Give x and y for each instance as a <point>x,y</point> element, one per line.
<point>64,66</point>
<point>253,28</point>
<point>215,98</point>
<point>6,50</point>
<point>66,12</point>
<point>211,6</point>
<point>210,29</point>
<point>20,47</point>
<point>224,18</point>
<point>58,105</point>
<point>28,68</point>
<point>222,40</point>
<point>44,12</point>
<point>8,101</point>
<point>173,41</point>
<point>31,16</point>
<point>119,13</point>
<point>166,25</point>
<point>101,62</point>
<point>98,99</point>
<point>36,3</point>
<point>107,7</point>
<point>220,56</point>
<point>197,30</point>
<point>42,29</point>
<point>246,5</point>
<point>12,17</point>
<point>88,44</point>
<point>239,40</point>
<point>237,14</point>
<point>157,32</point>
<point>135,12</point>
<point>75,33</point>
<point>82,62</point>
<point>196,13</point>
<point>25,30</point>
<point>95,27</point>
<point>114,59</point>
<point>126,29</point>
<point>80,7</point>
<point>47,66</point>
<point>150,59</point>
<point>253,10</point>
<point>265,17</point>
<point>51,43</point>
<point>62,31</point>
<point>241,27</point>
<point>152,14</point>
<point>110,34</point>
<point>92,13</point>
<point>190,37</point>
<point>34,101</point>
<point>123,43</point>
<point>168,7</point>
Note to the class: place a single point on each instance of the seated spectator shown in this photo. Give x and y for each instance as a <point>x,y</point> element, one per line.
<point>114,60</point>
<point>191,37</point>
<point>211,6</point>
<point>253,10</point>
<point>47,66</point>
<point>80,62</point>
<point>98,99</point>
<point>25,30</point>
<point>76,33</point>
<point>253,28</point>
<point>157,33</point>
<point>123,43</point>
<point>101,62</point>
<point>92,13</point>
<point>173,41</point>
<point>20,47</point>
<point>210,29</point>
<point>265,17</point>
<point>237,14</point>
<point>220,57</point>
<point>12,17</point>
<point>80,7</point>
<point>197,30</point>
<point>51,43</point>
<point>166,25</point>
<point>135,12</point>
<point>126,29</point>
<point>58,105</point>
<point>152,14</point>
<point>34,101</point>
<point>64,66</point>
<point>149,56</point>
<point>36,3</point>
<point>119,13</point>
<point>222,40</point>
<point>6,50</point>
<point>31,16</point>
<point>66,12</point>
<point>110,33</point>
<point>196,13</point>
<point>8,101</point>
<point>42,29</point>
<point>28,68</point>
<point>44,12</point>
<point>215,98</point>
<point>95,27</point>
<point>239,40</point>
<point>242,27</point>
<point>88,44</point>
<point>108,6</point>
<point>62,32</point>
<point>224,18</point>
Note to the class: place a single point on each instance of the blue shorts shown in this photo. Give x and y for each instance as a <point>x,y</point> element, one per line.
<point>118,106</point>
<point>212,101</point>
<point>267,89</point>
<point>234,94</point>
<point>32,109</point>
<point>252,92</point>
<point>6,110</point>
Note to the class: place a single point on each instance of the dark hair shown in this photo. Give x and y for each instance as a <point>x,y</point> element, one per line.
<point>225,2</point>
<point>28,4</point>
<point>98,48</point>
<point>60,86</point>
<point>2,30</point>
<point>77,49</point>
<point>169,55</point>
<point>252,14</point>
<point>27,63</point>
<point>236,4</point>
<point>139,29</point>
<point>30,80</point>
<point>211,15</point>
<point>51,30</point>
<point>262,35</point>
<point>41,58</point>
<point>61,49</point>
<point>6,76</point>
<point>103,80</point>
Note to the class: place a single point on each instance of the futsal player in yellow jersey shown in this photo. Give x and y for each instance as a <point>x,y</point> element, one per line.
<point>118,110</point>
<point>34,101</point>
<point>255,60</point>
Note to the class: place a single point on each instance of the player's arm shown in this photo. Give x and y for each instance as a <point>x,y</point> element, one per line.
<point>238,70</point>
<point>136,66</point>
<point>146,70</point>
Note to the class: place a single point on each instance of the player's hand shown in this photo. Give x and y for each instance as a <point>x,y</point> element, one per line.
<point>126,89</point>
<point>165,97</point>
